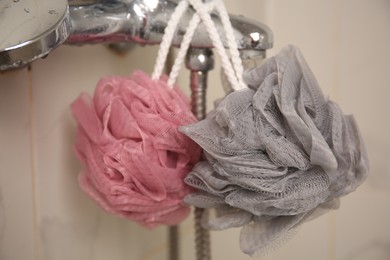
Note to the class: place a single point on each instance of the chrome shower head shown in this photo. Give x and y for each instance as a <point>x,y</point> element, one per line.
<point>30,30</point>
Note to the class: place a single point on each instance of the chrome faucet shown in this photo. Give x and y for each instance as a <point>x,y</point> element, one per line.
<point>114,21</point>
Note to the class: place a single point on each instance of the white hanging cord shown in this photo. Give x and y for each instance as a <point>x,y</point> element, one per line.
<point>233,74</point>
<point>233,47</point>
<point>167,39</point>
<point>217,42</point>
<point>193,25</point>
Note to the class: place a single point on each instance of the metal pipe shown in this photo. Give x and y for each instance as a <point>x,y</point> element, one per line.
<point>174,243</point>
<point>200,62</point>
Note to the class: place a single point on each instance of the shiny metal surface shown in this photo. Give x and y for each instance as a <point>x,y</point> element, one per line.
<point>174,243</point>
<point>144,21</point>
<point>200,62</point>
<point>123,21</point>
<point>30,49</point>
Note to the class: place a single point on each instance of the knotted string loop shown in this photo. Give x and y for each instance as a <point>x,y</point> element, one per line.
<point>233,70</point>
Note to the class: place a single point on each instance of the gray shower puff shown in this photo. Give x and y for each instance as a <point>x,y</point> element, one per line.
<point>277,154</point>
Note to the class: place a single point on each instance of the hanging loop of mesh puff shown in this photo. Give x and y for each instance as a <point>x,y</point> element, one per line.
<point>134,157</point>
<point>278,153</point>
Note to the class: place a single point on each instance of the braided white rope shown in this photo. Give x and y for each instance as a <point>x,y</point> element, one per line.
<point>195,20</point>
<point>233,71</point>
<point>217,42</point>
<point>231,40</point>
<point>167,39</point>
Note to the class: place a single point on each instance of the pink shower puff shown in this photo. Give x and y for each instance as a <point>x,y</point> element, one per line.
<point>135,158</point>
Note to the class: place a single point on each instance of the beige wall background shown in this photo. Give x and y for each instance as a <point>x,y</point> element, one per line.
<point>44,215</point>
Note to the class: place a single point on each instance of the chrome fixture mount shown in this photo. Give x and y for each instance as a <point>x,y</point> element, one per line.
<point>112,21</point>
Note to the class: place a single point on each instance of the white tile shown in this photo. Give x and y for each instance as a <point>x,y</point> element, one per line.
<point>101,237</point>
<point>313,26</point>
<point>253,9</point>
<point>226,245</point>
<point>16,203</point>
<point>311,242</point>
<point>365,79</point>
<point>361,228</point>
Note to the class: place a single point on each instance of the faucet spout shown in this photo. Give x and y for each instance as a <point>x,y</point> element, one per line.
<point>144,21</point>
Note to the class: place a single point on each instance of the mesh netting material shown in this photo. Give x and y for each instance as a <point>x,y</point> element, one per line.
<point>135,158</point>
<point>277,154</point>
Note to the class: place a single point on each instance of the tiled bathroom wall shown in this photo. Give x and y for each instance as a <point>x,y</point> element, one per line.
<point>45,216</point>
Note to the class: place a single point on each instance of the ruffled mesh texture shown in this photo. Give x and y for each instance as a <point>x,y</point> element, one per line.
<point>277,154</point>
<point>135,158</point>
